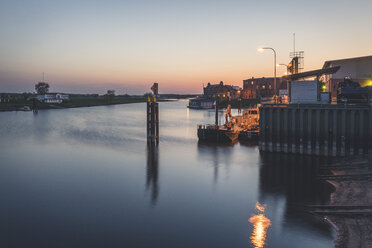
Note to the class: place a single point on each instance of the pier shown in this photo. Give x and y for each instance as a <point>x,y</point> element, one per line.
<point>318,129</point>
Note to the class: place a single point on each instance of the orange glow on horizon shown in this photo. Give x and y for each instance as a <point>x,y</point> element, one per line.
<point>260,225</point>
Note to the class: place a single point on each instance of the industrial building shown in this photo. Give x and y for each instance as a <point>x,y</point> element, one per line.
<point>359,69</point>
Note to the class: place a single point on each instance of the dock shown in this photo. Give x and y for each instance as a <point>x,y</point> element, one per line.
<point>316,129</point>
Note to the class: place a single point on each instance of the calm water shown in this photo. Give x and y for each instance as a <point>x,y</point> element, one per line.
<point>85,178</point>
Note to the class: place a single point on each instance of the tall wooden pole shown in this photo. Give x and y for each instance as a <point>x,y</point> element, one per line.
<point>216,113</point>
<point>153,118</point>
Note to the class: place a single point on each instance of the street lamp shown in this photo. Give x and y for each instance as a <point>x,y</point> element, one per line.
<point>286,66</point>
<point>261,49</point>
<point>281,64</point>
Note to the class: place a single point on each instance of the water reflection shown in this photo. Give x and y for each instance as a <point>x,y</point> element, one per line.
<point>287,184</point>
<point>152,173</point>
<point>216,155</point>
<point>293,176</point>
<point>110,182</point>
<point>260,225</point>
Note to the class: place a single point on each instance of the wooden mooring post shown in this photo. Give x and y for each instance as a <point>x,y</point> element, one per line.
<point>152,124</point>
<point>35,106</point>
<point>327,130</point>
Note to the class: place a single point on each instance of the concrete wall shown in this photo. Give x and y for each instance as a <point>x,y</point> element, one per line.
<point>330,130</point>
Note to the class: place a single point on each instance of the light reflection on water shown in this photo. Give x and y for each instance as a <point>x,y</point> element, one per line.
<point>85,178</point>
<point>260,225</point>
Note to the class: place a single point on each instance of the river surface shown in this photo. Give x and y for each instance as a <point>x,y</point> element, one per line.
<point>84,177</point>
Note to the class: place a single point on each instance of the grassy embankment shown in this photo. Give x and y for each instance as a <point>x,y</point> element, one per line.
<point>73,102</point>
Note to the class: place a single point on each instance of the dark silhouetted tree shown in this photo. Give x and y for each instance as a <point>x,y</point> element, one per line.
<point>42,88</point>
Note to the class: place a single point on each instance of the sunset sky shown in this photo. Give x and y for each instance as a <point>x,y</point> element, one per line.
<point>91,46</point>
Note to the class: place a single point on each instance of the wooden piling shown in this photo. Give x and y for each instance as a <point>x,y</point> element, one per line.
<point>152,121</point>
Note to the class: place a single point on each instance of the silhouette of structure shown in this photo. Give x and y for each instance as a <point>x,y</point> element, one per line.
<point>152,174</point>
<point>153,117</point>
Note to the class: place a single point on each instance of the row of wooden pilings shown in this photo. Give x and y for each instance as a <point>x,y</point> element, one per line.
<point>152,123</point>
<point>329,130</point>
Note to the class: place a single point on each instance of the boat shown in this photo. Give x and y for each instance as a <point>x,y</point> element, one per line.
<point>24,108</point>
<point>201,103</point>
<point>243,127</point>
<point>248,135</point>
<point>219,134</point>
<point>249,124</point>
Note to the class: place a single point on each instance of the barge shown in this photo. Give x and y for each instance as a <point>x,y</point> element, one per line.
<point>219,134</point>
<point>243,127</point>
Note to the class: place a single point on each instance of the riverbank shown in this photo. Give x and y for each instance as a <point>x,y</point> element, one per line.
<point>351,203</point>
<point>75,103</point>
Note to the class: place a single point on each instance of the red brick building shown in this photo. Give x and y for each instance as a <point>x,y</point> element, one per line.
<point>221,90</point>
<point>262,87</point>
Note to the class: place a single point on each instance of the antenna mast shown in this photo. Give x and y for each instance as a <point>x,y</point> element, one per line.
<point>297,59</point>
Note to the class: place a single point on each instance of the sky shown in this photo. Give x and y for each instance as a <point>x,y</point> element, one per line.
<point>92,46</point>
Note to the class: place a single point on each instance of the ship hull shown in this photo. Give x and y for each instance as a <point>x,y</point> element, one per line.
<point>248,136</point>
<point>217,135</point>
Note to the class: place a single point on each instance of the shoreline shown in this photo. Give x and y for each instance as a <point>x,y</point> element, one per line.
<point>73,104</point>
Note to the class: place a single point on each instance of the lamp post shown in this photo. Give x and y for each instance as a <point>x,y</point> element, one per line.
<point>269,48</point>
<point>286,66</point>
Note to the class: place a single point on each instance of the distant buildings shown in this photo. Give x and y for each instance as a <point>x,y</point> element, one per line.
<point>262,87</point>
<point>221,90</point>
<point>4,98</point>
<point>111,92</point>
<point>359,69</point>
<point>53,98</point>
<point>11,97</point>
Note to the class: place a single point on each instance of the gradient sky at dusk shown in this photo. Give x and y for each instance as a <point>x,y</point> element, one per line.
<point>91,46</point>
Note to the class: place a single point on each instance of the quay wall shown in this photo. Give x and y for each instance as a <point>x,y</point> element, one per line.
<point>328,130</point>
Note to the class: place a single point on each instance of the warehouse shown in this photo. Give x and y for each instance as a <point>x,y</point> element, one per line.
<point>358,69</point>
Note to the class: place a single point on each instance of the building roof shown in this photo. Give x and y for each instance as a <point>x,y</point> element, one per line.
<point>218,86</point>
<point>314,73</point>
<point>329,62</point>
<point>261,78</point>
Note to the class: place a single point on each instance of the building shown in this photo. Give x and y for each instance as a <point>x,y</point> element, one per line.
<point>4,98</point>
<point>53,98</point>
<point>358,69</point>
<point>111,92</point>
<point>262,87</point>
<point>221,90</point>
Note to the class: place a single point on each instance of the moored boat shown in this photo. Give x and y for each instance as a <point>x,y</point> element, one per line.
<point>243,127</point>
<point>249,124</point>
<point>201,103</point>
<point>248,135</point>
<point>220,134</point>
<point>24,108</point>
